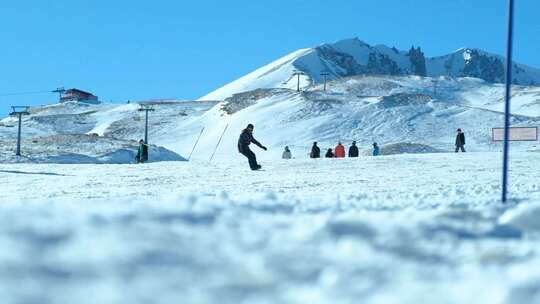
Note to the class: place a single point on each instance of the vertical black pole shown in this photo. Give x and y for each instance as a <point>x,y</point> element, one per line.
<point>325,82</point>
<point>507,98</point>
<point>298,83</point>
<point>146,128</point>
<point>19,135</point>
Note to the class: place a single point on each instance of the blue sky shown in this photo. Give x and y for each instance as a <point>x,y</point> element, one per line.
<point>133,50</point>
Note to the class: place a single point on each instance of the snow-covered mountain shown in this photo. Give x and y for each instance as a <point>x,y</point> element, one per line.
<point>354,57</point>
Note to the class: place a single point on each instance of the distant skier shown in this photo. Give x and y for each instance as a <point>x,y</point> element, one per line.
<point>460,141</point>
<point>315,151</point>
<point>376,150</point>
<point>339,151</point>
<point>329,154</point>
<point>353,150</point>
<point>287,153</point>
<point>246,138</point>
<point>142,152</point>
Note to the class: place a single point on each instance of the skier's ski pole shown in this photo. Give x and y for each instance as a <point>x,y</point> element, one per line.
<point>219,141</point>
<point>196,142</point>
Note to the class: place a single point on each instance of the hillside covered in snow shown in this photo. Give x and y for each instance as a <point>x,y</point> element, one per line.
<point>353,57</point>
<point>404,114</point>
<point>74,132</point>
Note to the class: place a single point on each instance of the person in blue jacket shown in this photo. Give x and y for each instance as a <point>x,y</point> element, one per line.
<point>376,150</point>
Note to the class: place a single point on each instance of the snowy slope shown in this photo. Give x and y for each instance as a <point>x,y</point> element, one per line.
<point>79,133</point>
<point>383,109</point>
<point>403,229</point>
<point>354,57</point>
<point>389,110</point>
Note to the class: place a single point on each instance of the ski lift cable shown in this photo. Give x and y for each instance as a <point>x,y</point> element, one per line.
<point>24,93</point>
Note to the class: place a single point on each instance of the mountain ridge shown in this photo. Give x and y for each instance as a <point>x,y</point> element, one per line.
<point>351,57</point>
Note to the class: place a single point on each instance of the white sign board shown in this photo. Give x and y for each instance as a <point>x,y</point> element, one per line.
<point>516,134</point>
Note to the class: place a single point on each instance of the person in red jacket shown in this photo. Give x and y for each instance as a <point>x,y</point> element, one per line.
<point>339,151</point>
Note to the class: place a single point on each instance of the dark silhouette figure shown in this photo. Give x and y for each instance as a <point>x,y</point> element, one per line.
<point>315,151</point>
<point>246,138</point>
<point>460,141</point>
<point>329,154</point>
<point>353,150</point>
<point>142,152</point>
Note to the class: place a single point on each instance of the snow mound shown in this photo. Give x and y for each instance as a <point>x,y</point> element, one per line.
<point>523,216</point>
<point>81,149</point>
<point>405,148</point>
<point>404,99</point>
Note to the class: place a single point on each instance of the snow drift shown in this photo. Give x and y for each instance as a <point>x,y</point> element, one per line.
<point>404,148</point>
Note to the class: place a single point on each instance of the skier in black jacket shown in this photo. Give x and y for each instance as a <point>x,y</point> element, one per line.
<point>315,151</point>
<point>353,150</point>
<point>460,141</point>
<point>246,138</point>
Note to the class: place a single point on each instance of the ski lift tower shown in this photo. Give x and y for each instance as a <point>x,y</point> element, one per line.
<point>146,108</point>
<point>19,111</point>
<point>325,75</point>
<point>298,73</point>
<point>60,91</point>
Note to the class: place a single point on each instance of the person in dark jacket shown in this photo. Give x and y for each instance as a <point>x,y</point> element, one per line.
<point>246,138</point>
<point>142,152</point>
<point>353,150</point>
<point>315,151</point>
<point>329,154</point>
<point>460,141</point>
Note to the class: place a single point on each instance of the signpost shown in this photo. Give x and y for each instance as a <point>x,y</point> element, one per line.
<point>507,98</point>
<point>516,134</point>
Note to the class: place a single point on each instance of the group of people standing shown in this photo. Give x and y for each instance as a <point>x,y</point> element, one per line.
<point>339,151</point>
<point>246,138</point>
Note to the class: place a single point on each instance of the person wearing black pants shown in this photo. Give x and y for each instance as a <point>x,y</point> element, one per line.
<point>246,138</point>
<point>460,141</point>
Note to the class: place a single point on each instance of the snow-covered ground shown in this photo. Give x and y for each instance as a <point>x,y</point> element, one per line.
<point>394,229</point>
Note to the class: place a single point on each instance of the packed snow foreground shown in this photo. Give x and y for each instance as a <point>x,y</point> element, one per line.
<point>418,228</point>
